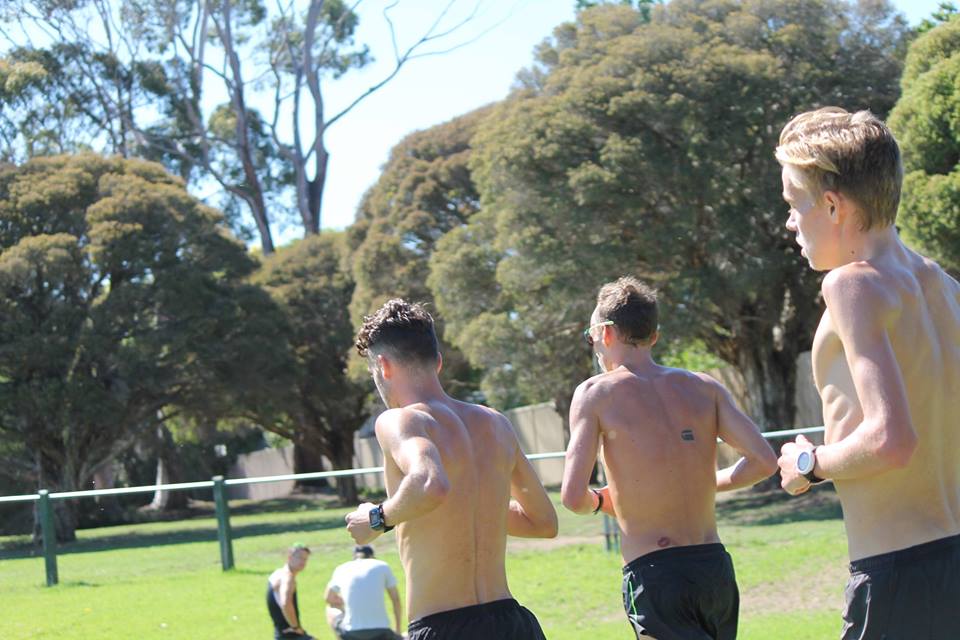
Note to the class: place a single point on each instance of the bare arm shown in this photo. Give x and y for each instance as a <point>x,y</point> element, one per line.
<point>531,513</point>
<point>425,485</point>
<point>395,600</point>
<point>402,434</point>
<point>862,312</point>
<point>758,460</point>
<point>333,598</point>
<point>288,586</point>
<point>581,452</point>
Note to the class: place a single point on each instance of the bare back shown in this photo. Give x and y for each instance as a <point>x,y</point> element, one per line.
<point>920,502</point>
<point>454,556</point>
<point>658,443</point>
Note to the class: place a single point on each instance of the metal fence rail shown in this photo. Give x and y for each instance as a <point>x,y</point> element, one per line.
<point>218,484</point>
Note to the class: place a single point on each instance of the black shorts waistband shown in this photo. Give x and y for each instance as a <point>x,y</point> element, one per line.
<point>686,552</point>
<point>435,619</point>
<point>904,556</point>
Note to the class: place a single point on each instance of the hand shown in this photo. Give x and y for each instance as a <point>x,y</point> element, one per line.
<point>790,479</point>
<point>358,524</point>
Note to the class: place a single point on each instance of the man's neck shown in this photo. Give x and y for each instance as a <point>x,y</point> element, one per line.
<point>636,359</point>
<point>862,246</point>
<point>424,388</point>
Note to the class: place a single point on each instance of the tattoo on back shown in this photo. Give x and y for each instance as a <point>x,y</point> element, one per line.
<point>687,434</point>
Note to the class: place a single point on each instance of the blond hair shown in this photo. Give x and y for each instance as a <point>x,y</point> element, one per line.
<point>851,153</point>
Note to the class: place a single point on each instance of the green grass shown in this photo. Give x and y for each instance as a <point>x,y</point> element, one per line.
<point>163,580</point>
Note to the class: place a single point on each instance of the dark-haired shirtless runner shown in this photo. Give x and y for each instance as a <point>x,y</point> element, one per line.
<point>458,484</point>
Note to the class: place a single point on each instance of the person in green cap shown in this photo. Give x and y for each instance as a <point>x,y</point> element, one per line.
<point>282,595</point>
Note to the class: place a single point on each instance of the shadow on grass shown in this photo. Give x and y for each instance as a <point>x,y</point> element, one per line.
<point>776,507</point>
<point>185,536</point>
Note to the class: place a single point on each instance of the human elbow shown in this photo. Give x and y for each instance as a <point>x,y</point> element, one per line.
<point>572,500</point>
<point>436,488</point>
<point>549,528</point>
<point>767,463</point>
<point>897,451</point>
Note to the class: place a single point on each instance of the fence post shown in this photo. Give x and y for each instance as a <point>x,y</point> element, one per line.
<point>49,533</point>
<point>223,523</point>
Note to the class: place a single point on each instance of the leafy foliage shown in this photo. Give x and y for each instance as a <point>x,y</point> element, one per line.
<point>120,296</point>
<point>426,190</point>
<point>646,148</point>
<point>926,120</point>
<point>312,401</point>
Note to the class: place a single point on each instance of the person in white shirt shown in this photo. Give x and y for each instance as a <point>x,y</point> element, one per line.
<point>355,597</point>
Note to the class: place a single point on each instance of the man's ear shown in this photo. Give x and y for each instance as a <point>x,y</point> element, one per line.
<point>606,334</point>
<point>837,206</point>
<point>654,337</point>
<point>386,366</point>
<point>439,362</point>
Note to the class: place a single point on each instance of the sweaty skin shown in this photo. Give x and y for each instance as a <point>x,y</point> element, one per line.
<point>453,553</point>
<point>657,428</point>
<point>895,321</point>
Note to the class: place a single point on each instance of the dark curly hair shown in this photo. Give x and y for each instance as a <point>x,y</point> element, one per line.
<point>403,329</point>
<point>632,306</point>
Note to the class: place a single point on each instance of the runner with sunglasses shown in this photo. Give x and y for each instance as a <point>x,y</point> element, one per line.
<point>656,430</point>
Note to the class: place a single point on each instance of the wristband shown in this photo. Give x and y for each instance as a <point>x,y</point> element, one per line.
<point>599,501</point>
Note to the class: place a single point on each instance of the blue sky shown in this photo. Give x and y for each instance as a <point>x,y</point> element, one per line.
<point>434,89</point>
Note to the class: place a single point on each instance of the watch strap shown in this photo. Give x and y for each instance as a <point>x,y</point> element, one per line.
<point>811,475</point>
<point>599,501</point>
<point>382,521</point>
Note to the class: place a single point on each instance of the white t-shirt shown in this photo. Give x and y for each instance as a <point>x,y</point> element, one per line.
<point>361,583</point>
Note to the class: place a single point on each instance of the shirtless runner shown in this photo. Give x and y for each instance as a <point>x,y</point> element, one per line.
<point>886,361</point>
<point>458,484</point>
<point>656,429</point>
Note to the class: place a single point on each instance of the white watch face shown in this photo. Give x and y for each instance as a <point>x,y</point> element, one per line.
<point>804,462</point>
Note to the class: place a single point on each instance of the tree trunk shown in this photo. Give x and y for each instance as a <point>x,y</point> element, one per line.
<point>308,459</point>
<point>168,471</point>
<point>770,378</point>
<point>342,458</point>
<point>64,511</point>
<point>315,189</point>
<point>109,506</point>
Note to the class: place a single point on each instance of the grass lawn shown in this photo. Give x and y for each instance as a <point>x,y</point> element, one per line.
<point>163,580</point>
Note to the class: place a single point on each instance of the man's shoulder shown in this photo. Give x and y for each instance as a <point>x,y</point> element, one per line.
<point>471,413</point>
<point>418,414</point>
<point>622,380</point>
<point>861,288</point>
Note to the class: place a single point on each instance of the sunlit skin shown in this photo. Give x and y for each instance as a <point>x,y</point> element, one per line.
<point>662,484</point>
<point>886,361</point>
<point>283,581</point>
<point>458,484</point>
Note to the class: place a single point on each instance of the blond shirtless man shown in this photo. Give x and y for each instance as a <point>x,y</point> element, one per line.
<point>656,429</point>
<point>458,484</point>
<point>886,360</point>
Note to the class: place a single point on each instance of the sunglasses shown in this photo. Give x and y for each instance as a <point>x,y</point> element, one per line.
<point>586,332</point>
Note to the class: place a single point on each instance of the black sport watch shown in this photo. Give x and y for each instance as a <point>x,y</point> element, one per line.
<point>377,521</point>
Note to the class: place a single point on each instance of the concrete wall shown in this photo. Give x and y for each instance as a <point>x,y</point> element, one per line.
<point>539,429</point>
<point>266,462</point>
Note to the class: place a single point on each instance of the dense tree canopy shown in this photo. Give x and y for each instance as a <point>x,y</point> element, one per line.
<point>926,121</point>
<point>122,303</point>
<point>176,81</point>
<point>425,190</point>
<point>312,402</point>
<point>646,148</point>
